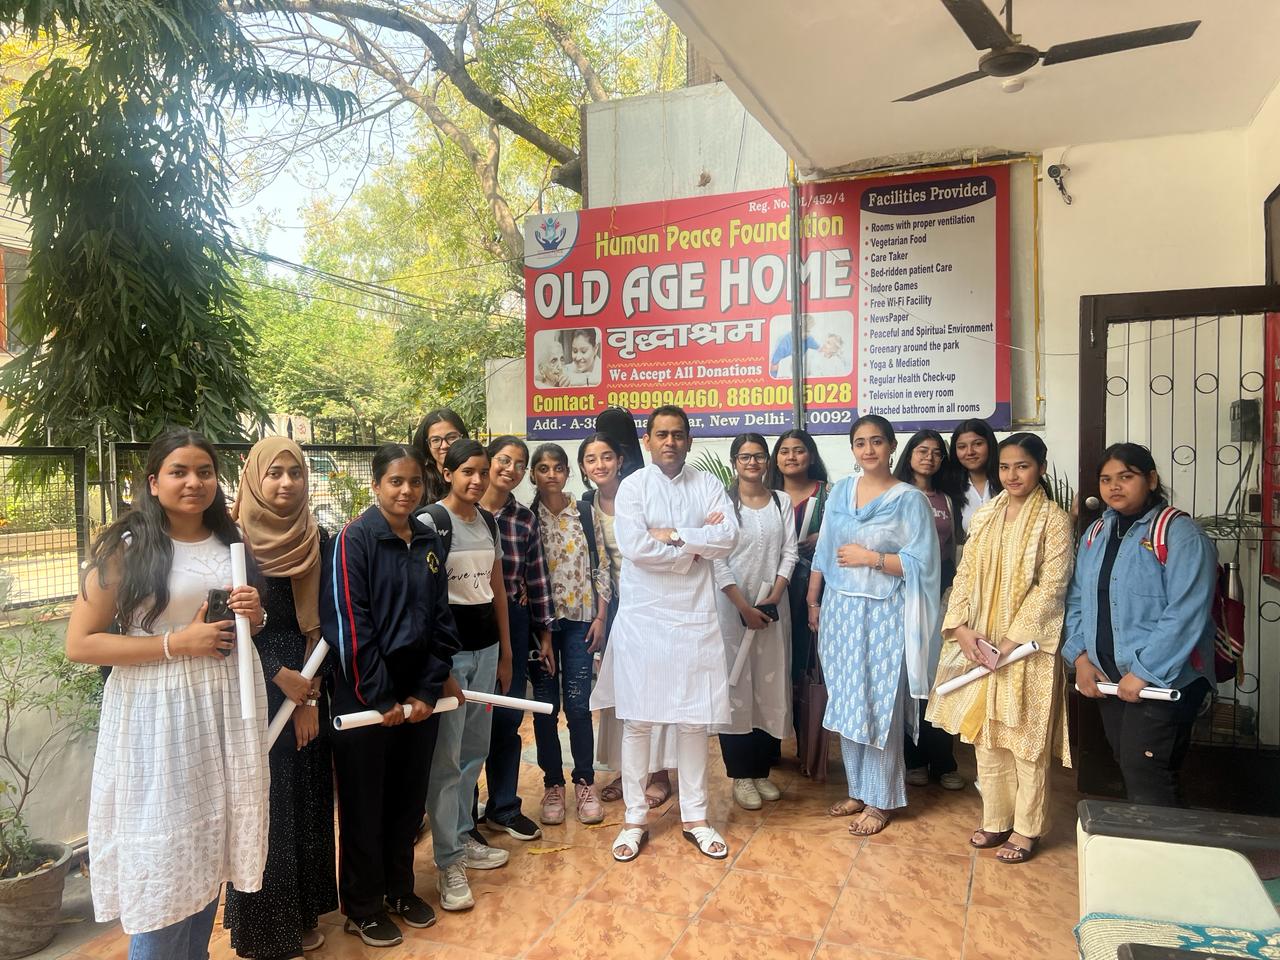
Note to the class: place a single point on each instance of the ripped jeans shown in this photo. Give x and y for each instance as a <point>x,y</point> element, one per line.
<point>573,675</point>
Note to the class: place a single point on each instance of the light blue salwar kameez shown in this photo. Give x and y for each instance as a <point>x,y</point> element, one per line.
<point>874,633</point>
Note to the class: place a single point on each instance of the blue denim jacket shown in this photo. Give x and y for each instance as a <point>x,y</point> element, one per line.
<point>1160,615</point>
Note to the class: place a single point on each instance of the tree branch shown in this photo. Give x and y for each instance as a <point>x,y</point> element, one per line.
<point>575,53</point>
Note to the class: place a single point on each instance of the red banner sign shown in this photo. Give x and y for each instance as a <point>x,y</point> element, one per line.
<point>904,288</point>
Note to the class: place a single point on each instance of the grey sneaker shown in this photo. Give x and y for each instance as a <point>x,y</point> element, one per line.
<point>481,856</point>
<point>455,892</point>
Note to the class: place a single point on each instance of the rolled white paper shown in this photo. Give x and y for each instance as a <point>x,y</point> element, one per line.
<point>371,718</point>
<point>1014,655</point>
<point>244,639</point>
<point>744,648</point>
<point>514,703</point>
<point>309,670</point>
<point>1146,693</point>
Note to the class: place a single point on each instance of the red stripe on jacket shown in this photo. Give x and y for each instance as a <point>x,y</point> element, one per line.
<point>351,619</point>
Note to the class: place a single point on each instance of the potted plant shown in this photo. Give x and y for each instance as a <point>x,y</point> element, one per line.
<point>57,702</point>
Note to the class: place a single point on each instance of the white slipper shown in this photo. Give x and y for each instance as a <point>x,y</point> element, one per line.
<point>703,838</point>
<point>632,837</point>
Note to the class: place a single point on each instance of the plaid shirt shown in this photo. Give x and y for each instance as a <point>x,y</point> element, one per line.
<point>524,566</point>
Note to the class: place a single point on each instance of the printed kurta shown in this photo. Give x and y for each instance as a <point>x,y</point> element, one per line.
<point>668,656</point>
<point>766,550</point>
<point>873,624</point>
<point>1011,585</point>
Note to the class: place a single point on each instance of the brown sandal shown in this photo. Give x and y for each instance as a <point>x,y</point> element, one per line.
<point>663,794</point>
<point>989,839</point>
<point>1017,854</point>
<point>881,818</point>
<point>612,792</point>
<point>843,808</point>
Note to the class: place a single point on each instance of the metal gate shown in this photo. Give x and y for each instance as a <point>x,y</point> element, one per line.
<point>1182,372</point>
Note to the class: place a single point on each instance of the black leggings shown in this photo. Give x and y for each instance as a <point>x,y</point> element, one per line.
<point>1150,740</point>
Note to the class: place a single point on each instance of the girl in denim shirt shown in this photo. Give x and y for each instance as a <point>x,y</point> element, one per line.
<point>1157,630</point>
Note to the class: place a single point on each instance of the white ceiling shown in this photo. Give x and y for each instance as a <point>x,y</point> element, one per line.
<point>822,75</point>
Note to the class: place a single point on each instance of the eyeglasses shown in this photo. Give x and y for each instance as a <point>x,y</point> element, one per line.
<point>927,453</point>
<point>752,457</point>
<point>503,460</point>
<point>447,440</point>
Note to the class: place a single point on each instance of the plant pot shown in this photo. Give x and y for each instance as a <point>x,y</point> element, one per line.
<point>30,904</point>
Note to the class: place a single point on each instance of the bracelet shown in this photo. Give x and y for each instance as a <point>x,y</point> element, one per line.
<point>815,605</point>
<point>164,642</point>
<point>880,561</point>
<point>311,703</point>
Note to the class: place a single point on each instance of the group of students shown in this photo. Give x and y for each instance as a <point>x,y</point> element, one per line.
<point>696,606</point>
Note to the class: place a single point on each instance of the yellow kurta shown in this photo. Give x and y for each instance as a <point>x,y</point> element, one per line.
<point>1010,585</point>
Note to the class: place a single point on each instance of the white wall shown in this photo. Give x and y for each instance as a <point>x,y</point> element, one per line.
<point>1262,148</point>
<point>1156,214</point>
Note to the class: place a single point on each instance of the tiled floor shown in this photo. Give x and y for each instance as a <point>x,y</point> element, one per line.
<point>796,886</point>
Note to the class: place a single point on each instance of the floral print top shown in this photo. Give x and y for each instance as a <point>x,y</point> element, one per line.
<point>574,584</point>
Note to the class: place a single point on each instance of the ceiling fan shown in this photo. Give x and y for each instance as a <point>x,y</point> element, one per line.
<point>1008,56</point>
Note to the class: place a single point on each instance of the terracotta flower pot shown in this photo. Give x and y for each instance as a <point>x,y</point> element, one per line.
<point>30,904</point>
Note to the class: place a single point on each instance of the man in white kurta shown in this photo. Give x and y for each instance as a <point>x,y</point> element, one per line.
<point>671,522</point>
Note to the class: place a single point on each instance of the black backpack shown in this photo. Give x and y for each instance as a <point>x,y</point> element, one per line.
<point>438,518</point>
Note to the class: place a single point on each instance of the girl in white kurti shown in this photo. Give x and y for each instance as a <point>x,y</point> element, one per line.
<point>753,589</point>
<point>180,783</point>
<point>668,656</point>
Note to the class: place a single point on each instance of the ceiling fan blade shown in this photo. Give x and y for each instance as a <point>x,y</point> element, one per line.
<point>942,87</point>
<point>980,25</point>
<point>1119,42</point>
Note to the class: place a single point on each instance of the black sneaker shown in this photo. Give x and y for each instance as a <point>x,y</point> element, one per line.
<point>519,826</point>
<point>376,931</point>
<point>413,910</point>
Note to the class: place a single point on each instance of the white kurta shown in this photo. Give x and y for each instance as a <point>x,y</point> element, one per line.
<point>668,656</point>
<point>766,550</point>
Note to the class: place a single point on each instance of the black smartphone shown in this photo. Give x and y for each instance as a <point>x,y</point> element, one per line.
<point>219,606</point>
<point>770,610</point>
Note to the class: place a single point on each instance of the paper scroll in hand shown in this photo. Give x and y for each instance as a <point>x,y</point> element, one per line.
<point>244,639</point>
<point>309,671</point>
<point>977,673</point>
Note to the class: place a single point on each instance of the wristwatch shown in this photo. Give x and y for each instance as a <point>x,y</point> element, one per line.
<point>674,539</point>
<point>880,561</point>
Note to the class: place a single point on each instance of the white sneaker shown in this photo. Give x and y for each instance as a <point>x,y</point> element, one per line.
<point>480,856</point>
<point>768,790</point>
<point>455,892</point>
<point>746,795</point>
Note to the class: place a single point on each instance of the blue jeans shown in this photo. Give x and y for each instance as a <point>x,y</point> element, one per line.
<point>502,770</point>
<point>461,749</point>
<point>188,939</point>
<point>573,674</point>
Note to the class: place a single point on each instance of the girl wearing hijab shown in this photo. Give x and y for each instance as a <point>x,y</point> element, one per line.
<point>298,884</point>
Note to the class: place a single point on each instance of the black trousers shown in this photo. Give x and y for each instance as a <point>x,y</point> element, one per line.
<point>936,749</point>
<point>748,756</point>
<point>1150,740</point>
<point>382,775</point>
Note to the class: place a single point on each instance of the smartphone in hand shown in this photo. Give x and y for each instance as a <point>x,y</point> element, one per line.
<point>219,609</point>
<point>988,653</point>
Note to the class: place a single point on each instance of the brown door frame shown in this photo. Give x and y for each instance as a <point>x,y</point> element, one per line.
<point>1097,313</point>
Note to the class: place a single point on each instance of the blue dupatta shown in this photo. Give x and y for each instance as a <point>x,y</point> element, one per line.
<point>900,521</point>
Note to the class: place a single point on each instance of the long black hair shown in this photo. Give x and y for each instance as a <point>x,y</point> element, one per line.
<point>958,471</point>
<point>620,426</point>
<point>943,481</point>
<point>389,453</point>
<point>817,470</point>
<point>461,451</point>
<point>740,441</point>
<point>544,451</point>
<point>138,543</point>
<point>1139,459</point>
<point>434,487</point>
<point>1036,449</point>
<point>599,437</point>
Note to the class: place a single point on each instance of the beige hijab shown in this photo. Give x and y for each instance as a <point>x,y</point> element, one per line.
<point>284,544</point>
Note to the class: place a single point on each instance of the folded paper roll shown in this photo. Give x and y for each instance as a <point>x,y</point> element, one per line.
<point>1146,693</point>
<point>371,718</point>
<point>744,648</point>
<point>309,670</point>
<point>244,639</point>
<point>977,673</point>
<point>514,703</point>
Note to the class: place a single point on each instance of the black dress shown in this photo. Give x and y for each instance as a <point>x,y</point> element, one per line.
<point>299,884</point>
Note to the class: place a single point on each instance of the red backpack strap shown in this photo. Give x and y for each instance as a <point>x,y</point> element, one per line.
<point>1160,532</point>
<point>1093,533</point>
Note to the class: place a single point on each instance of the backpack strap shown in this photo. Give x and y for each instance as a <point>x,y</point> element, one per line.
<point>588,519</point>
<point>437,517</point>
<point>1160,532</point>
<point>1093,533</point>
